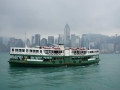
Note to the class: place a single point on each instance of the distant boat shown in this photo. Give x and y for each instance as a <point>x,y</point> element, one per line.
<point>52,56</point>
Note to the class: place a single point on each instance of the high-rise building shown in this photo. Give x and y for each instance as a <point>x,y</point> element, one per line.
<point>32,41</point>
<point>44,42</point>
<point>12,42</point>
<point>110,47</point>
<point>37,39</point>
<point>67,36</point>
<point>18,43</point>
<point>56,40</point>
<point>61,39</point>
<point>77,41</point>
<point>85,41</point>
<point>50,40</point>
<point>73,40</point>
<point>28,43</point>
<point>104,48</point>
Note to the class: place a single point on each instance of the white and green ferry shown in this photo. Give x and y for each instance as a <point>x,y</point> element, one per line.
<point>52,56</point>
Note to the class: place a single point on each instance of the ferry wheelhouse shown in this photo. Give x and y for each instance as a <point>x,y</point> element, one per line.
<point>52,56</point>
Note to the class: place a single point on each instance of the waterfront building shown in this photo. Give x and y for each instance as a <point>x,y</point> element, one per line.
<point>67,36</point>
<point>32,41</point>
<point>56,40</point>
<point>50,40</point>
<point>28,43</point>
<point>43,42</point>
<point>77,41</point>
<point>37,39</point>
<point>61,39</point>
<point>73,40</point>
<point>85,41</point>
<point>110,47</point>
<point>104,48</point>
<point>12,42</point>
<point>18,43</point>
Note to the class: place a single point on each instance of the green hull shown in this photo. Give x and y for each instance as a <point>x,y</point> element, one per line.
<point>56,63</point>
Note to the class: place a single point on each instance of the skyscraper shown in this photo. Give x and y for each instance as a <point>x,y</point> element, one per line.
<point>37,39</point>
<point>32,41</point>
<point>61,39</point>
<point>44,42</point>
<point>50,40</point>
<point>77,41</point>
<point>85,41</point>
<point>67,36</point>
<point>28,43</point>
<point>56,40</point>
<point>73,40</point>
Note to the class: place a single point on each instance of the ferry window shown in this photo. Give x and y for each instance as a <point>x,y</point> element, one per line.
<point>30,50</point>
<point>72,51</point>
<point>50,51</point>
<point>77,52</point>
<point>60,51</point>
<point>23,50</point>
<point>26,50</point>
<point>19,50</point>
<point>16,50</point>
<point>46,51</point>
<point>12,49</point>
<point>33,50</point>
<point>40,51</point>
<point>73,58</point>
<point>55,51</point>
<point>37,51</point>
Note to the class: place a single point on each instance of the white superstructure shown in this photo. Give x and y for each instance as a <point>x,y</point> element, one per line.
<point>54,51</point>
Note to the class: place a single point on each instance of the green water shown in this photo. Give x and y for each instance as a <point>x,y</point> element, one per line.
<point>105,76</point>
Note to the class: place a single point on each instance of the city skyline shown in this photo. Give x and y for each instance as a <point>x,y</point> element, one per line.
<point>49,17</point>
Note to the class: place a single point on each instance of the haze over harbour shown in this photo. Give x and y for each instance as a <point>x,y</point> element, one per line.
<point>49,17</point>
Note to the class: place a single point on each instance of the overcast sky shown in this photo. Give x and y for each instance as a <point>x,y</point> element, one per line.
<point>48,17</point>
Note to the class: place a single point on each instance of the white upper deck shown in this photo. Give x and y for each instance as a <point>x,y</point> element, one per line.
<point>53,51</point>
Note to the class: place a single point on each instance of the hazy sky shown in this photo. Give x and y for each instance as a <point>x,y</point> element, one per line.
<point>48,17</point>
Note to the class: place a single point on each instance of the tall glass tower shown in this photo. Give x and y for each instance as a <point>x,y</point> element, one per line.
<point>67,36</point>
<point>85,41</point>
<point>37,39</point>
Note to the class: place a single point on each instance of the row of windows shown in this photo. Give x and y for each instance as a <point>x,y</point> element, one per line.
<point>78,58</point>
<point>27,50</point>
<point>52,51</point>
<point>93,51</point>
<point>79,52</point>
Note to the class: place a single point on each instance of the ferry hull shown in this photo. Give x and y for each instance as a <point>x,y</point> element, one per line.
<point>49,64</point>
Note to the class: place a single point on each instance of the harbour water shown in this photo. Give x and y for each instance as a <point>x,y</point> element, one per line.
<point>105,76</point>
